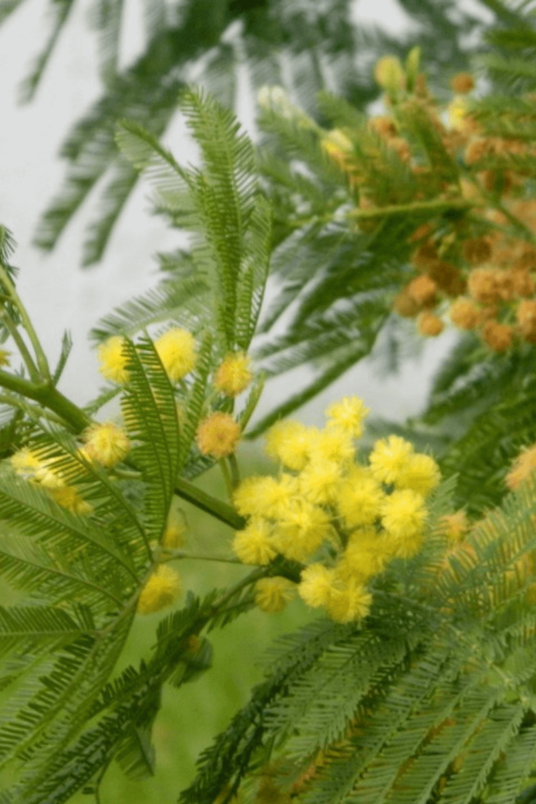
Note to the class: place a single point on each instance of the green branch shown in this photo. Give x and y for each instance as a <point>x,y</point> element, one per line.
<point>211,505</point>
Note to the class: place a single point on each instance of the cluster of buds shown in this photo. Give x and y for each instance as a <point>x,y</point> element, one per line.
<point>343,519</point>
<point>473,271</point>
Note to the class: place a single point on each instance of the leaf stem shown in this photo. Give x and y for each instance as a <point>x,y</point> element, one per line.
<point>211,505</point>
<point>416,206</point>
<point>42,362</point>
<point>21,346</point>
<point>48,396</point>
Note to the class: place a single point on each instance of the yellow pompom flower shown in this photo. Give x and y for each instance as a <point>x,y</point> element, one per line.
<point>106,444</point>
<point>366,555</point>
<point>218,435</point>
<point>112,360</point>
<point>25,462</point>
<point>359,498</point>
<point>273,594</point>
<point>315,585</point>
<point>319,481</point>
<point>403,517</point>
<point>389,457</point>
<point>254,544</point>
<point>420,473</point>
<point>162,589</point>
<point>301,530</point>
<point>333,444</point>
<point>290,442</point>
<point>69,498</point>
<point>349,602</point>
<point>348,415</point>
<point>177,351</point>
<point>234,375</point>
<point>265,496</point>
<point>5,357</point>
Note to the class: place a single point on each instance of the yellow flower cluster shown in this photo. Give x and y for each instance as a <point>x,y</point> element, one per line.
<point>162,589</point>
<point>176,349</point>
<point>344,520</point>
<point>45,473</point>
<point>106,444</point>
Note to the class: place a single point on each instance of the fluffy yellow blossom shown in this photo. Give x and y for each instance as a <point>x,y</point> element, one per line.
<point>420,473</point>
<point>389,457</point>
<point>319,481</point>
<point>162,589</point>
<point>106,444</point>
<point>366,555</point>
<point>333,444</point>
<point>290,442</point>
<point>359,498</point>
<point>69,498</point>
<point>174,531</point>
<point>315,585</point>
<point>265,496</point>
<point>348,602</point>
<point>176,349</point>
<point>301,530</point>
<point>254,544</point>
<point>403,517</point>
<point>27,464</point>
<point>218,435</point>
<point>273,594</point>
<point>24,461</point>
<point>4,357</point>
<point>522,468</point>
<point>234,375</point>
<point>348,415</point>
<point>389,73</point>
<point>112,360</point>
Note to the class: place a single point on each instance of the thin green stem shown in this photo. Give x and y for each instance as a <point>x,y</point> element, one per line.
<point>226,476</point>
<point>42,362</point>
<point>171,555</point>
<point>211,505</point>
<point>437,205</point>
<point>21,346</point>
<point>235,470</point>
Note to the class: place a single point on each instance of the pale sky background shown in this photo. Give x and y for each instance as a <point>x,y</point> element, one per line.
<point>57,292</point>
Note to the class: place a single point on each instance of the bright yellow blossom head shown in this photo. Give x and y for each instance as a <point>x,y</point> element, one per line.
<point>348,602</point>
<point>420,473</point>
<point>319,481</point>
<point>315,585</point>
<point>162,589</point>
<point>359,499</point>
<point>389,458</point>
<point>218,435</point>
<point>348,415</point>
<point>301,530</point>
<point>273,594</point>
<point>254,544</point>
<point>177,350</point>
<point>403,517</point>
<point>290,442</point>
<point>113,360</point>
<point>234,375</point>
<point>366,555</point>
<point>106,444</point>
<point>333,444</point>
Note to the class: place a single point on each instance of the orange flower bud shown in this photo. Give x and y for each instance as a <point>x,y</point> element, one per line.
<point>429,325</point>
<point>497,336</point>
